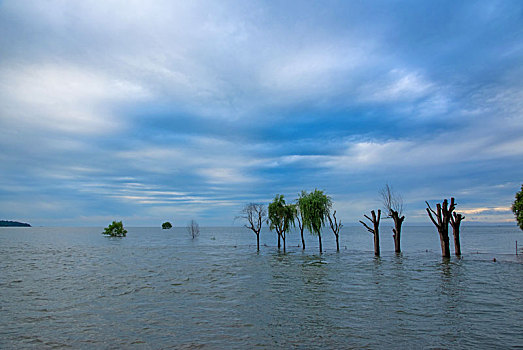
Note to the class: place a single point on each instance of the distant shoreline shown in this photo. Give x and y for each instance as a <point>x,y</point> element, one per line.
<point>5,223</point>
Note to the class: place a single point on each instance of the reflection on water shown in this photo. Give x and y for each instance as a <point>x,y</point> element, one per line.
<point>157,289</point>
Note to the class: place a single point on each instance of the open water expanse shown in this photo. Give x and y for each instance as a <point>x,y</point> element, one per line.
<point>75,288</point>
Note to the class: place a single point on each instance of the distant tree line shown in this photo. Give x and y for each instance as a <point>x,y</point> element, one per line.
<point>7,223</point>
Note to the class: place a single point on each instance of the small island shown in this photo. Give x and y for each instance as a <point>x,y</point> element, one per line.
<point>5,223</point>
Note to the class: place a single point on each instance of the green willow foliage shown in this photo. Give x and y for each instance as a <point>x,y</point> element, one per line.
<point>115,230</point>
<point>167,225</point>
<point>281,215</point>
<point>315,208</point>
<point>517,208</point>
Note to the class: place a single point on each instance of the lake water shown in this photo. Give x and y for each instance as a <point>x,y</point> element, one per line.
<point>73,287</point>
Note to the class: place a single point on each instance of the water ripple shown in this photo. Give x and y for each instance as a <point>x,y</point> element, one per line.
<point>78,289</point>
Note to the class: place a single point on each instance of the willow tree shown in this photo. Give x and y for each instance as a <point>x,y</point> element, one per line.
<point>254,214</point>
<point>281,217</point>
<point>393,205</point>
<point>299,218</point>
<point>517,208</point>
<point>314,208</point>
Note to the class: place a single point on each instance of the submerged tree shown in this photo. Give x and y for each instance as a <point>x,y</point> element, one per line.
<point>517,208</point>
<point>167,225</point>
<point>375,230</point>
<point>281,217</point>
<point>455,222</point>
<point>193,228</point>
<point>393,204</point>
<point>443,214</point>
<point>335,227</point>
<point>299,218</point>
<point>314,208</point>
<point>254,214</point>
<point>115,230</point>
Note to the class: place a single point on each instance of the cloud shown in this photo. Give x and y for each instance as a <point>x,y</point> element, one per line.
<point>473,211</point>
<point>131,107</point>
<point>396,85</point>
<point>63,98</point>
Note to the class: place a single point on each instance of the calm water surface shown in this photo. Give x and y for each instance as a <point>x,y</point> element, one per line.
<point>73,287</point>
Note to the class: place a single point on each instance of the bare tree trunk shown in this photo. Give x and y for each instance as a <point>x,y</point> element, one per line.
<point>283,237</point>
<point>258,241</point>
<point>444,241</point>
<point>319,238</point>
<point>375,230</point>
<point>377,244</point>
<point>279,241</point>
<point>300,225</point>
<point>397,230</point>
<point>457,244</point>
<point>338,242</point>
<point>393,204</point>
<point>455,221</point>
<point>443,214</point>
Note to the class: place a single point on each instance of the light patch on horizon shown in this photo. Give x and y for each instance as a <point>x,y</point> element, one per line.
<point>474,211</point>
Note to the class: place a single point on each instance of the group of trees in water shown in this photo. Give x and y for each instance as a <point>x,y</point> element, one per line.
<point>314,210</point>
<point>311,210</point>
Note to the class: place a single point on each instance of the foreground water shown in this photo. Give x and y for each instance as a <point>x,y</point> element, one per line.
<point>73,287</point>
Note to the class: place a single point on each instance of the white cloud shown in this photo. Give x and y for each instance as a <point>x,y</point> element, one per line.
<point>313,70</point>
<point>397,85</point>
<point>225,176</point>
<point>447,148</point>
<point>63,98</point>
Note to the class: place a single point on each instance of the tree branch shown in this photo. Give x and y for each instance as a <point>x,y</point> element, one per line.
<point>367,227</point>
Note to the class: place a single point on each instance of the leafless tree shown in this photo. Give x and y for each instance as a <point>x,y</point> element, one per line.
<point>455,221</point>
<point>193,228</point>
<point>443,214</point>
<point>393,205</point>
<point>255,214</point>
<point>375,230</point>
<point>335,227</point>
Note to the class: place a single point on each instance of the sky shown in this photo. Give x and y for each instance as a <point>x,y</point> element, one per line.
<point>153,111</point>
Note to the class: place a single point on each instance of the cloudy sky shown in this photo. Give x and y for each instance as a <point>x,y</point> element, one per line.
<point>149,111</point>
